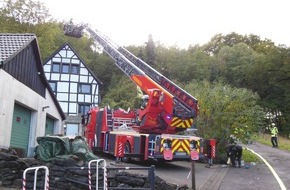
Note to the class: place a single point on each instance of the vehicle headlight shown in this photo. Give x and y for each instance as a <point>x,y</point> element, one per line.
<point>167,143</point>
<point>193,145</point>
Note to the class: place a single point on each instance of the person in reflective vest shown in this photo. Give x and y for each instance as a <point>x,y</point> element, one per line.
<point>274,134</point>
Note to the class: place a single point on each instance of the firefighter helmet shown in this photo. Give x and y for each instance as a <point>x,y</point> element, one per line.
<point>145,97</point>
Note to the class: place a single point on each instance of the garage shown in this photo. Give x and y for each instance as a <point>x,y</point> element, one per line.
<point>20,130</point>
<point>28,100</point>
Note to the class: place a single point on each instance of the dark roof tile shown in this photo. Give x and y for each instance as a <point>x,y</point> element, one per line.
<point>10,44</point>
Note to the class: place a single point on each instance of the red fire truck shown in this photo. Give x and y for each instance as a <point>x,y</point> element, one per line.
<point>149,132</point>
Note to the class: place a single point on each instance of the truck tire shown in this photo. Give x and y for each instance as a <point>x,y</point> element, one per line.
<point>127,149</point>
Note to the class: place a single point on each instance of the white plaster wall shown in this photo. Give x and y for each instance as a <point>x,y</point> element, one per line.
<point>11,91</point>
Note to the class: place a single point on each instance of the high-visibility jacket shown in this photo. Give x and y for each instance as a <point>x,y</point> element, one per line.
<point>274,132</point>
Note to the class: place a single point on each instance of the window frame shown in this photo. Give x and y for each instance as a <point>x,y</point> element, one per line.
<point>53,66</point>
<point>63,66</point>
<point>81,91</point>
<point>77,69</point>
<point>82,108</point>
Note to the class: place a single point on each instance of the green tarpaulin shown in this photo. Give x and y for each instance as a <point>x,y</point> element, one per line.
<point>55,147</point>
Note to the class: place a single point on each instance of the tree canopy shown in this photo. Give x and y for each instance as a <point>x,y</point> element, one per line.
<point>238,79</point>
<point>226,111</point>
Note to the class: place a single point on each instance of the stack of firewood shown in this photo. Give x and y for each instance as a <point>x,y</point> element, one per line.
<point>68,174</point>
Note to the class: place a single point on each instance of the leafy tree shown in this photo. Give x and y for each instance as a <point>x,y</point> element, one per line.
<point>104,68</point>
<point>201,66</point>
<point>138,51</point>
<point>225,111</point>
<point>25,11</point>
<point>122,93</point>
<point>27,16</point>
<point>257,65</point>
<point>220,40</point>
<point>276,93</point>
<point>167,60</point>
<point>235,63</point>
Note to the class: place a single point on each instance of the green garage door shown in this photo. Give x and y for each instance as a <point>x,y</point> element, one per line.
<point>20,130</point>
<point>49,126</point>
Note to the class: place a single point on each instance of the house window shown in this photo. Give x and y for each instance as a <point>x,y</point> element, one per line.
<point>84,108</point>
<point>71,130</point>
<point>85,88</point>
<point>65,68</point>
<point>74,69</point>
<point>53,86</point>
<point>56,67</point>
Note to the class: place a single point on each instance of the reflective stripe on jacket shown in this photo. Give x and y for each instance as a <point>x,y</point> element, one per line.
<point>274,132</point>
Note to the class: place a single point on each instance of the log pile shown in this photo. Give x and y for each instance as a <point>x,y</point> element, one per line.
<point>67,174</point>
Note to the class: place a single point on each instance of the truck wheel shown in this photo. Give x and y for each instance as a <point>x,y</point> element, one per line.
<point>127,150</point>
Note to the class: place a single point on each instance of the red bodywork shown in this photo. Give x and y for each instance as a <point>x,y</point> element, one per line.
<point>168,111</point>
<point>159,117</point>
<point>111,131</point>
<point>148,85</point>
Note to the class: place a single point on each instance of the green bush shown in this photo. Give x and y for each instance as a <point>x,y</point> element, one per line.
<point>249,156</point>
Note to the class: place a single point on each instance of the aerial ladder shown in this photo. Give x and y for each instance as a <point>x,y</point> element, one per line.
<point>170,110</point>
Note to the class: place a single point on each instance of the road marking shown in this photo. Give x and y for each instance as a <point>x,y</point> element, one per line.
<point>188,174</point>
<point>272,170</point>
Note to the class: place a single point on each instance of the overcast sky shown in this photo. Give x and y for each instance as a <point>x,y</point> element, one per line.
<point>177,22</point>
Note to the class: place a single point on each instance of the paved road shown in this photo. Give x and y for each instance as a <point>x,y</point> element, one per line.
<point>278,159</point>
<point>177,172</point>
<point>260,176</point>
<point>256,176</point>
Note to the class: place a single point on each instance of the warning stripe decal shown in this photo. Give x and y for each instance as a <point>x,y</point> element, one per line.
<point>178,145</point>
<point>181,123</point>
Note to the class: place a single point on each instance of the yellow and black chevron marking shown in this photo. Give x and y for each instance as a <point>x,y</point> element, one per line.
<point>178,145</point>
<point>198,146</point>
<point>181,123</point>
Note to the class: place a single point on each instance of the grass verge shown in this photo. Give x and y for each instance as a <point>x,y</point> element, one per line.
<point>283,142</point>
<point>249,156</point>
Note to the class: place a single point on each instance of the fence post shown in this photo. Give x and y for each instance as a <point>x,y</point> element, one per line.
<point>46,177</point>
<point>97,174</point>
<point>151,175</point>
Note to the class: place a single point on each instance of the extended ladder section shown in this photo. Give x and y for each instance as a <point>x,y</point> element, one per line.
<point>121,61</point>
<point>185,105</point>
<point>184,102</point>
